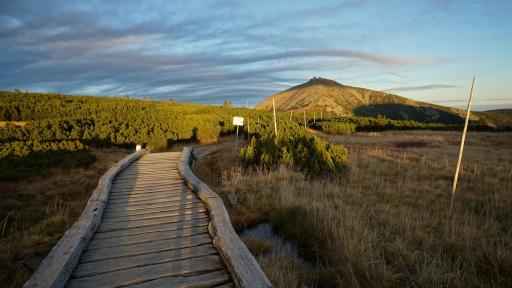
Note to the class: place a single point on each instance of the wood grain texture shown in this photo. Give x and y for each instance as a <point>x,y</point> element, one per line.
<point>239,260</point>
<point>58,265</point>
<point>138,275</point>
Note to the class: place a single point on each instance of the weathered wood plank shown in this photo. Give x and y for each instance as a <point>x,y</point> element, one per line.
<point>167,226</point>
<point>57,266</point>
<point>159,204</point>
<point>176,190</point>
<point>141,223</point>
<point>202,280</point>
<point>144,248</point>
<point>171,196</point>
<point>147,179</point>
<point>153,184</point>
<point>227,285</point>
<point>138,275</point>
<point>146,191</point>
<point>161,214</point>
<point>144,187</point>
<point>239,260</point>
<point>110,265</point>
<point>194,205</point>
<point>170,199</point>
<point>146,237</point>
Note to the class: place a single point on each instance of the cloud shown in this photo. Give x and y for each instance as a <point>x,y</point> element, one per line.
<point>421,87</point>
<point>177,49</point>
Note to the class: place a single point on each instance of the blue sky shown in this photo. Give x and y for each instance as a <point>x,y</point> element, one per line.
<point>208,51</point>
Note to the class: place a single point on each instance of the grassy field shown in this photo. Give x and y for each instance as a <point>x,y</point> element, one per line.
<point>36,211</point>
<point>383,222</point>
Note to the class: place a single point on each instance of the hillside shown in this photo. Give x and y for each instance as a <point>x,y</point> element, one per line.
<point>332,97</point>
<point>500,117</point>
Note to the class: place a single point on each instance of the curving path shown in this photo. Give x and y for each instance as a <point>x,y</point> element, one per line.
<point>153,233</point>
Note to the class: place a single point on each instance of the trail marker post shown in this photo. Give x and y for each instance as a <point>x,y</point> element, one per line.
<point>237,121</point>
<point>455,178</point>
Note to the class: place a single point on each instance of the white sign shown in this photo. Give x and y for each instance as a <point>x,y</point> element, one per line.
<point>238,121</point>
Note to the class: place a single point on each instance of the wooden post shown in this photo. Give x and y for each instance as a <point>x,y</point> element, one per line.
<point>305,119</point>
<point>314,117</point>
<point>291,114</point>
<point>275,120</point>
<point>321,114</point>
<point>236,141</point>
<point>248,128</point>
<point>454,187</point>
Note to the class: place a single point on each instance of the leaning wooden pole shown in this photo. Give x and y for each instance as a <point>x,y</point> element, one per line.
<point>275,120</point>
<point>455,178</point>
<point>305,119</point>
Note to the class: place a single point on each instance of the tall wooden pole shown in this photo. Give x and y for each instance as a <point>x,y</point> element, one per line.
<point>454,187</point>
<point>275,120</point>
<point>321,114</point>
<point>314,117</point>
<point>305,119</point>
<point>291,114</point>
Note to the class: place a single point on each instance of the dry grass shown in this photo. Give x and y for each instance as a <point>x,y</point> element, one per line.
<point>384,223</point>
<point>17,123</point>
<point>36,211</point>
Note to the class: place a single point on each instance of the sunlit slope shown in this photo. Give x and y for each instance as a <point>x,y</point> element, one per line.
<point>332,97</point>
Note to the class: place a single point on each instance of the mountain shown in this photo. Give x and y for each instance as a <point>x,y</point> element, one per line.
<point>332,97</point>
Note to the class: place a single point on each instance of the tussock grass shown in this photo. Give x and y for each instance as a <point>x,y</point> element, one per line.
<point>36,211</point>
<point>384,222</point>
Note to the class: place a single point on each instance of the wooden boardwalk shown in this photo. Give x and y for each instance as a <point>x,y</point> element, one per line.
<point>153,233</point>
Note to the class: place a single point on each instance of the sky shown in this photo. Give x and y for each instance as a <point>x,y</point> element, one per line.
<point>244,51</point>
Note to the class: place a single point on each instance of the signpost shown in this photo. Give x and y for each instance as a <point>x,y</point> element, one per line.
<point>237,121</point>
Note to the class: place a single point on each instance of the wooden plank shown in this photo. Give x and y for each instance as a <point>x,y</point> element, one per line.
<point>227,285</point>
<point>202,280</point>
<point>169,199</point>
<point>176,190</point>
<point>144,248</point>
<point>159,204</point>
<point>110,265</point>
<point>168,196</point>
<point>194,205</point>
<point>167,226</point>
<point>138,275</point>
<point>239,260</point>
<point>144,187</point>
<point>148,184</point>
<point>141,223</point>
<point>146,237</point>
<point>146,191</point>
<point>154,215</point>
<point>146,178</point>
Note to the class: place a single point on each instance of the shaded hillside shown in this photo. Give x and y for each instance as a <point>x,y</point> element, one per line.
<point>332,97</point>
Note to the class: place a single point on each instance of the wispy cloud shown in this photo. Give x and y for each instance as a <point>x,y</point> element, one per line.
<point>192,51</point>
<point>421,87</point>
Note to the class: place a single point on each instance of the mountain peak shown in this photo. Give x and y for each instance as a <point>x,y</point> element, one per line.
<point>322,81</point>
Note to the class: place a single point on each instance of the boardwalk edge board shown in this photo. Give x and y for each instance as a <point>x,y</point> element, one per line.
<point>55,270</point>
<point>244,268</point>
